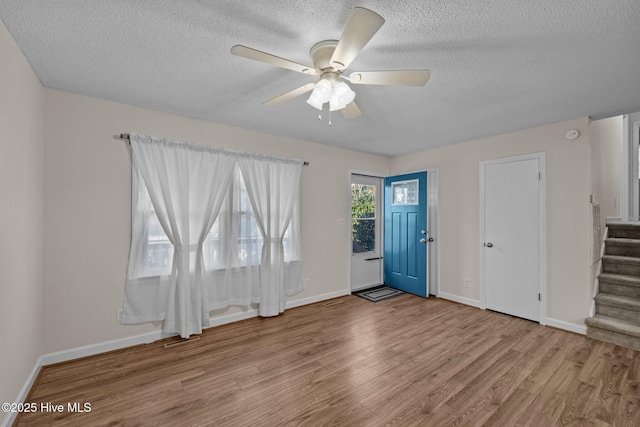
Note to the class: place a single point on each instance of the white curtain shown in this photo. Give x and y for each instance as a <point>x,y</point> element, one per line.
<point>210,228</point>
<point>187,185</point>
<point>274,191</point>
<point>234,251</point>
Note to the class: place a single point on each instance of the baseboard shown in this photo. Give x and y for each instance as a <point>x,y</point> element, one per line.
<point>318,298</point>
<point>571,327</point>
<point>230,318</point>
<point>103,347</point>
<point>461,300</point>
<point>24,391</point>
<point>560,324</point>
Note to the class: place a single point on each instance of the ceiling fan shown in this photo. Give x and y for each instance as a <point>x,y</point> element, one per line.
<point>330,60</point>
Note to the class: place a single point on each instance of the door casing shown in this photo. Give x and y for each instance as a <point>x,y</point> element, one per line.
<point>433,175</point>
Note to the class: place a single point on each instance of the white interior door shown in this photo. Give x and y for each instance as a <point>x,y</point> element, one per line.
<point>366,241</point>
<point>511,228</point>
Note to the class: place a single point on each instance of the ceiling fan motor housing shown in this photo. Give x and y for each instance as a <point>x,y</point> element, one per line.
<point>321,54</point>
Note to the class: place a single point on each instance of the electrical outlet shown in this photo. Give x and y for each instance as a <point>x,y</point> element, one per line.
<point>467,283</point>
<point>119,315</point>
<point>307,283</point>
<point>340,221</point>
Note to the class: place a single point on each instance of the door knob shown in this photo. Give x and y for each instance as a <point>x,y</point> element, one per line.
<point>423,231</point>
<point>489,245</point>
<point>423,240</point>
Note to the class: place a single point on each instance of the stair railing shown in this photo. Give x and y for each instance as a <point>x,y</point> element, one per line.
<point>596,286</point>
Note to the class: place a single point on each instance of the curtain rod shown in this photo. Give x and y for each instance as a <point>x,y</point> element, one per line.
<point>125,136</point>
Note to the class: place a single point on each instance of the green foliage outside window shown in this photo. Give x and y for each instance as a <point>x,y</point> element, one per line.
<point>363,213</point>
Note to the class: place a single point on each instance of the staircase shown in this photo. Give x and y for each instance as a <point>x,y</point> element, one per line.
<point>617,316</point>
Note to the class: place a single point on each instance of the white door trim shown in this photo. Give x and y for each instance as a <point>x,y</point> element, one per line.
<point>433,174</point>
<point>543,227</point>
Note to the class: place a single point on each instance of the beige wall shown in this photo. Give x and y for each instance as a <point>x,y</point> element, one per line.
<point>568,214</point>
<point>21,217</point>
<point>87,221</point>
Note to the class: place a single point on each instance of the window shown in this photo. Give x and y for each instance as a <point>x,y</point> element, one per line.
<point>405,192</point>
<point>363,218</point>
<point>234,240</point>
<point>158,249</point>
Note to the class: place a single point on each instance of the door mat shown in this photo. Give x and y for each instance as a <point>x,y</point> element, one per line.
<point>377,294</point>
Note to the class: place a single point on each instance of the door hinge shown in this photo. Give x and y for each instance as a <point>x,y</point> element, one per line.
<point>539,297</point>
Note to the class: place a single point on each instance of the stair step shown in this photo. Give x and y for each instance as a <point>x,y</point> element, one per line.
<point>614,325</point>
<point>617,289</point>
<point>625,231</point>
<point>621,265</point>
<point>619,279</point>
<point>621,301</point>
<point>619,307</point>
<point>623,247</point>
<point>615,331</point>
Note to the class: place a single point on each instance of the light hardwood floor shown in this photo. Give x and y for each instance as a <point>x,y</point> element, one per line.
<point>404,361</point>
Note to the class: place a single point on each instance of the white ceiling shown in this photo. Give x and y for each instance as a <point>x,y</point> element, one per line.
<point>497,65</point>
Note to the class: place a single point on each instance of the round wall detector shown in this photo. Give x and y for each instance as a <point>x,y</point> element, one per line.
<point>572,134</point>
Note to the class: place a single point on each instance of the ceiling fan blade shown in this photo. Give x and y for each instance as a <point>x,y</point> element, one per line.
<point>399,77</point>
<point>351,111</point>
<point>289,95</point>
<point>258,55</point>
<point>361,26</point>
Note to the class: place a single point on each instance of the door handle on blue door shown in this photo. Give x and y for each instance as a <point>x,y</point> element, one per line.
<point>423,240</point>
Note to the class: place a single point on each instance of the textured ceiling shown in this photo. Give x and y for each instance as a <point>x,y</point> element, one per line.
<point>497,65</point>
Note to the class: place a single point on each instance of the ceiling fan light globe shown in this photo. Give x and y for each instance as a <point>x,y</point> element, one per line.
<point>321,94</point>
<point>322,91</point>
<point>341,88</point>
<point>347,98</point>
<point>334,103</point>
<point>314,102</point>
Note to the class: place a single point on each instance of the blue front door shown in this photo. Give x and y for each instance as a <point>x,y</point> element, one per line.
<point>405,233</point>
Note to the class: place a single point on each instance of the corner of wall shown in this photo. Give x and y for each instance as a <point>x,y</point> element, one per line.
<point>21,225</point>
